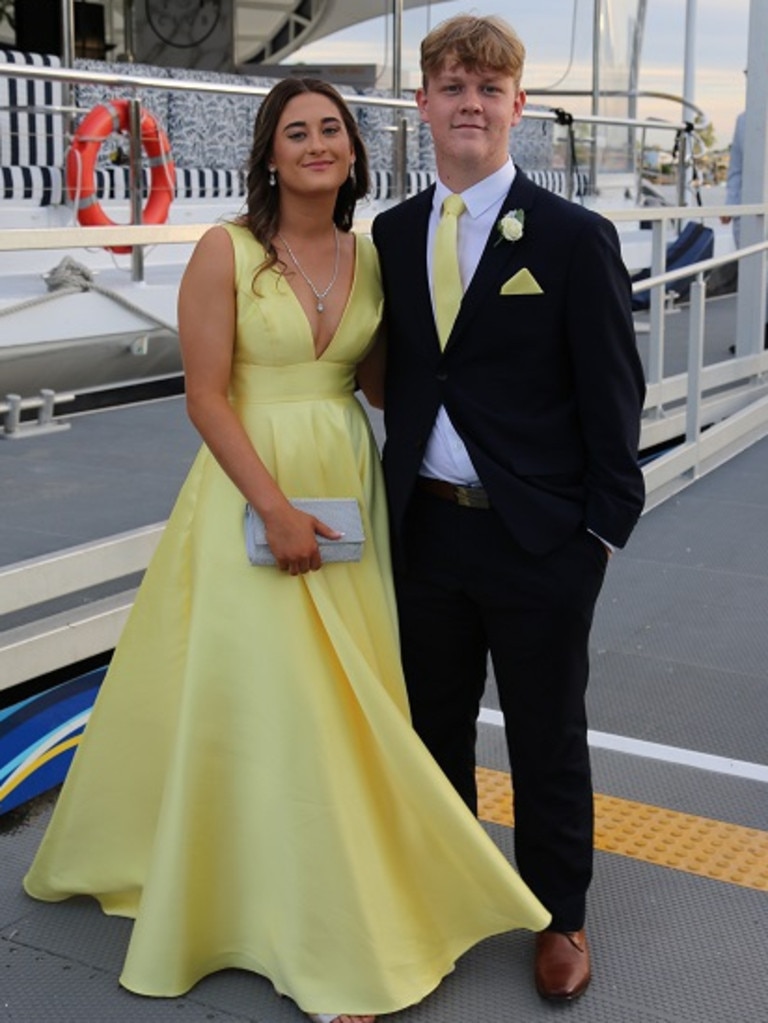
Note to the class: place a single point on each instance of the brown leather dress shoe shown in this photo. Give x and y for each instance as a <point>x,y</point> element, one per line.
<point>562,965</point>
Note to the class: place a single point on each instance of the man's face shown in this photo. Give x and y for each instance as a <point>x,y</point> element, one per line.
<point>470,114</point>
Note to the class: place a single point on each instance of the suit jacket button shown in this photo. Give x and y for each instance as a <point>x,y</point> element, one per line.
<point>442,375</point>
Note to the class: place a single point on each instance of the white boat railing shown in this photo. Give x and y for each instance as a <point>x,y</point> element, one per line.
<point>710,413</point>
<point>703,417</point>
<point>55,640</point>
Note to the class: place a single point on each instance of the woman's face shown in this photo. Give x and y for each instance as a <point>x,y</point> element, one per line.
<point>311,151</point>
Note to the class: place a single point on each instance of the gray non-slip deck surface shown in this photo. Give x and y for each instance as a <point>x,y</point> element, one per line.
<point>668,948</point>
<point>680,657</point>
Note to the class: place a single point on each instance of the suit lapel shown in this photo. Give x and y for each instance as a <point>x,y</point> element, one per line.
<point>412,260</point>
<point>500,258</point>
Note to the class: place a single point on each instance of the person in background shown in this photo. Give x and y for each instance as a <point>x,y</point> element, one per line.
<point>512,410</point>
<point>733,192</point>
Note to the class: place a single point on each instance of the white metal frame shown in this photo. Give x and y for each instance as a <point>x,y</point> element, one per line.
<point>718,410</point>
<point>729,398</point>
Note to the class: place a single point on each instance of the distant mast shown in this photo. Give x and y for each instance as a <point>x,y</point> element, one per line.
<point>617,43</point>
<point>689,66</point>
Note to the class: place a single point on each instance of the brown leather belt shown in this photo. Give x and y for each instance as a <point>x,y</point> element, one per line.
<point>467,497</point>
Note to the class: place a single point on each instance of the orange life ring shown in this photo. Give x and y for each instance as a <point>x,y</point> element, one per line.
<point>101,122</point>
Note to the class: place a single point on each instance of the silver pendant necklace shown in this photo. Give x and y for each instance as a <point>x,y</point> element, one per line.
<point>319,295</point>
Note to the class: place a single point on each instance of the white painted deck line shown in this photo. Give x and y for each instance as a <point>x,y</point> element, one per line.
<point>657,751</point>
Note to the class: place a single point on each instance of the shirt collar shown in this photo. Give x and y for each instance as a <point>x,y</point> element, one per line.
<point>482,196</point>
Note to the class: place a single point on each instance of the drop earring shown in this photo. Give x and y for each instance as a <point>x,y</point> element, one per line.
<point>352,172</point>
<point>272,177</point>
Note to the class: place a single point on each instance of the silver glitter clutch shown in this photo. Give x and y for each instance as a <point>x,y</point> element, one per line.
<point>341,514</point>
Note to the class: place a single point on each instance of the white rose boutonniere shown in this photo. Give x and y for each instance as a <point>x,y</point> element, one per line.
<point>511,226</point>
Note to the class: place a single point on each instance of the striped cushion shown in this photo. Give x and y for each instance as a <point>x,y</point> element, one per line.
<point>556,180</point>
<point>30,136</point>
<point>43,186</point>
<point>197,183</point>
<point>419,180</point>
<point>113,182</point>
<point>212,183</point>
<point>382,186</point>
<point>208,183</point>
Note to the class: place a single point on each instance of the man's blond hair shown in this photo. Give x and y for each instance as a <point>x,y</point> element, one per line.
<point>477,44</point>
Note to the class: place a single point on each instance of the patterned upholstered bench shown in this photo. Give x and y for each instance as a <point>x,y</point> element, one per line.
<point>31,133</point>
<point>209,135</point>
<point>202,130</point>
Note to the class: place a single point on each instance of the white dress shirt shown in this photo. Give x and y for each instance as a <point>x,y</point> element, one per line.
<point>446,457</point>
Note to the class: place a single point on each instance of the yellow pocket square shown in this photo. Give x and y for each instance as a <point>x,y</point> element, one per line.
<point>522,283</point>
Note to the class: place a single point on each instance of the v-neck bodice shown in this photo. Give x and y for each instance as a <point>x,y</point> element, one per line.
<point>273,332</point>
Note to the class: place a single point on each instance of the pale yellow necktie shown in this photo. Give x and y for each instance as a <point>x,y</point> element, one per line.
<point>446,278</point>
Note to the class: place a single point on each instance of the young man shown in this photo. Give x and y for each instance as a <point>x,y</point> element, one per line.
<point>510,460</point>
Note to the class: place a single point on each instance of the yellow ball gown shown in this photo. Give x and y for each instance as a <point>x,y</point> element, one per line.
<point>249,789</point>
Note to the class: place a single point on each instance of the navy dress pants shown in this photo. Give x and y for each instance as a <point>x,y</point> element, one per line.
<point>467,591</point>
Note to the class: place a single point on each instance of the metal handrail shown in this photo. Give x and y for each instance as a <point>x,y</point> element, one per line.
<point>700,268</point>
<point>683,130</point>
<point>74,76</point>
<point>701,119</point>
<point>730,399</point>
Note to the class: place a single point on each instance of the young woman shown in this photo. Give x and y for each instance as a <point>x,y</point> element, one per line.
<point>249,788</point>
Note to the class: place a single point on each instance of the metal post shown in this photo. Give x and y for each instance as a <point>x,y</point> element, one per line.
<point>657,299</point>
<point>397,48</point>
<point>633,84</point>
<point>639,162</point>
<point>135,178</point>
<point>596,34</point>
<point>45,412</point>
<point>686,171</point>
<point>67,33</point>
<point>13,415</point>
<point>682,157</point>
<point>130,54</point>
<point>569,166</point>
<point>689,68</point>
<point>68,60</point>
<point>400,156</point>
<point>695,362</point>
<point>399,141</point>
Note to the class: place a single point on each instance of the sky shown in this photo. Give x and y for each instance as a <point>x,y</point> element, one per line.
<point>548,27</point>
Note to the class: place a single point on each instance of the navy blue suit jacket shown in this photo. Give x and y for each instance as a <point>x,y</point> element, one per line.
<point>545,390</point>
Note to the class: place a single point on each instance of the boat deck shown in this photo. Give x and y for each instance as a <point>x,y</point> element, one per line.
<point>678,913</point>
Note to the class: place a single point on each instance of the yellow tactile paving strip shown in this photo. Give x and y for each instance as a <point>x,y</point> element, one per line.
<point>696,845</point>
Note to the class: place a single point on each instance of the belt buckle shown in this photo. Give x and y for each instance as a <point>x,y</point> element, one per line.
<point>471,497</point>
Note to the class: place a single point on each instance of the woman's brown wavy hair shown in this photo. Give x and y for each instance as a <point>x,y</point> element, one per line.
<point>263,199</point>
